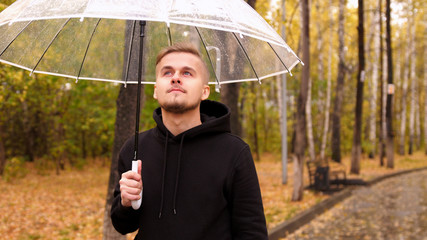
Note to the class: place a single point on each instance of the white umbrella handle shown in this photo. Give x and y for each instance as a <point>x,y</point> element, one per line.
<point>136,203</point>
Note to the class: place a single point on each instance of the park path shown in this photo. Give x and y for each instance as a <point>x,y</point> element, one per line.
<point>394,209</point>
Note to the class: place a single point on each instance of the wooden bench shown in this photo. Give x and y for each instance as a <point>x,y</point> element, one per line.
<point>321,175</point>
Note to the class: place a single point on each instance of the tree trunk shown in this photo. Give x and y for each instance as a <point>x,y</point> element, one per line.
<point>320,60</point>
<point>124,128</point>
<point>230,97</point>
<point>300,141</point>
<point>374,85</point>
<point>417,124</point>
<point>328,88</point>
<point>404,96</point>
<point>230,92</point>
<point>382,95</point>
<point>389,108</point>
<point>357,137</point>
<point>83,144</point>
<point>414,86</point>
<point>28,130</point>
<point>255,122</point>
<point>336,115</point>
<point>311,151</point>
<point>282,97</point>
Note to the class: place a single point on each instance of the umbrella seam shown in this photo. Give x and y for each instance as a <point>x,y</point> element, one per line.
<point>130,52</point>
<point>209,57</point>
<point>87,49</point>
<point>246,54</point>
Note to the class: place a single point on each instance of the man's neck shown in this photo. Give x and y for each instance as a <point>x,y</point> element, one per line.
<point>178,123</point>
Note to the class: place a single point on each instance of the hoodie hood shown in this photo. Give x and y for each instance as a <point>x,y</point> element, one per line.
<point>215,118</point>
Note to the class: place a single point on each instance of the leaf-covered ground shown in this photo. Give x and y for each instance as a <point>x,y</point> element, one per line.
<point>71,205</point>
<point>395,208</point>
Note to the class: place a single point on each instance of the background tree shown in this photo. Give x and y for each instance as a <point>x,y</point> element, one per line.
<point>389,108</point>
<point>405,94</point>
<point>328,86</point>
<point>336,115</point>
<point>374,81</point>
<point>357,138</point>
<point>381,77</point>
<point>300,141</point>
<point>413,79</point>
<point>230,92</point>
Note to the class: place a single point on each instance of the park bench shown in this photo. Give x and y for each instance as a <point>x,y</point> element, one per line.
<point>322,175</point>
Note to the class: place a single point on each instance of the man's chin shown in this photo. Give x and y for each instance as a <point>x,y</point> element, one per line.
<point>178,108</point>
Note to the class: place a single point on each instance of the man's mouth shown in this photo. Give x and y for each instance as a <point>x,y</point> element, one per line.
<point>176,89</point>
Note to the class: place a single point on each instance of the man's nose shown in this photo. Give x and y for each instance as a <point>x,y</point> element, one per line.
<point>175,79</point>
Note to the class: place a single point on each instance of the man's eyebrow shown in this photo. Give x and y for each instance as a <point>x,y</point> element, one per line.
<point>167,67</point>
<point>189,68</point>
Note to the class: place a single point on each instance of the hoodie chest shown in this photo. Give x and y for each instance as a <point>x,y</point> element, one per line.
<point>189,174</point>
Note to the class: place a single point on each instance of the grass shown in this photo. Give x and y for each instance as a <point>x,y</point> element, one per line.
<point>71,205</point>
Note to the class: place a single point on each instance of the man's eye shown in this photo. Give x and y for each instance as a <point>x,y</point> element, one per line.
<point>187,74</point>
<point>167,73</point>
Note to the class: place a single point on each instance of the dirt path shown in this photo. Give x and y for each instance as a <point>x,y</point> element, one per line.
<point>392,209</point>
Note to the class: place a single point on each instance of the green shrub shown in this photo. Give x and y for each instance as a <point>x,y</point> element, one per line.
<point>15,168</point>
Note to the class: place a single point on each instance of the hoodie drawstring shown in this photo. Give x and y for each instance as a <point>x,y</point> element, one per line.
<point>176,178</point>
<point>164,175</point>
<point>177,174</point>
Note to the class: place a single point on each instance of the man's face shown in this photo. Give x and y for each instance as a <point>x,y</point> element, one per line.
<point>180,84</point>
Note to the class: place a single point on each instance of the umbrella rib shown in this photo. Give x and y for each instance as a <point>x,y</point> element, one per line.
<point>169,35</point>
<point>277,55</point>
<point>87,49</point>
<point>4,50</point>
<point>48,46</point>
<point>129,52</point>
<point>246,54</point>
<point>209,56</point>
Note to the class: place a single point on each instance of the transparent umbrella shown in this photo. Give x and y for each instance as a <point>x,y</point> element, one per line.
<point>93,39</point>
<point>85,39</point>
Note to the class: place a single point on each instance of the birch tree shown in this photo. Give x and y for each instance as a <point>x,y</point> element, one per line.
<point>405,95</point>
<point>310,138</point>
<point>282,97</point>
<point>374,81</point>
<point>328,88</point>
<point>413,81</point>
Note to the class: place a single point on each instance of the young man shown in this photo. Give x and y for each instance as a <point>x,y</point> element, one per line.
<point>199,181</point>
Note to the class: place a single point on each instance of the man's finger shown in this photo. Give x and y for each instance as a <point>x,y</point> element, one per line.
<point>131,175</point>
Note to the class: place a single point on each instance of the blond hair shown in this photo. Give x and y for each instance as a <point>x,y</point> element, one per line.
<point>183,48</point>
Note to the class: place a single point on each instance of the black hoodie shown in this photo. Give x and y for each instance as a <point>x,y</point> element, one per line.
<point>200,184</point>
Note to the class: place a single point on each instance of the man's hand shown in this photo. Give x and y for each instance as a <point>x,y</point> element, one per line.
<point>130,186</point>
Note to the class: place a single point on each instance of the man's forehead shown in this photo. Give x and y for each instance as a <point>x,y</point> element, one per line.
<point>178,58</point>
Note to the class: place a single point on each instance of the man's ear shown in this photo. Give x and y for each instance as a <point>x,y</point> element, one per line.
<point>155,92</point>
<point>205,92</point>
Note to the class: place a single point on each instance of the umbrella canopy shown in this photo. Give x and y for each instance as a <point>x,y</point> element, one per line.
<point>86,39</point>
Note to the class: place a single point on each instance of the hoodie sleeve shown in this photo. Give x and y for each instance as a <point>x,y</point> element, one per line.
<point>125,219</point>
<point>248,220</point>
